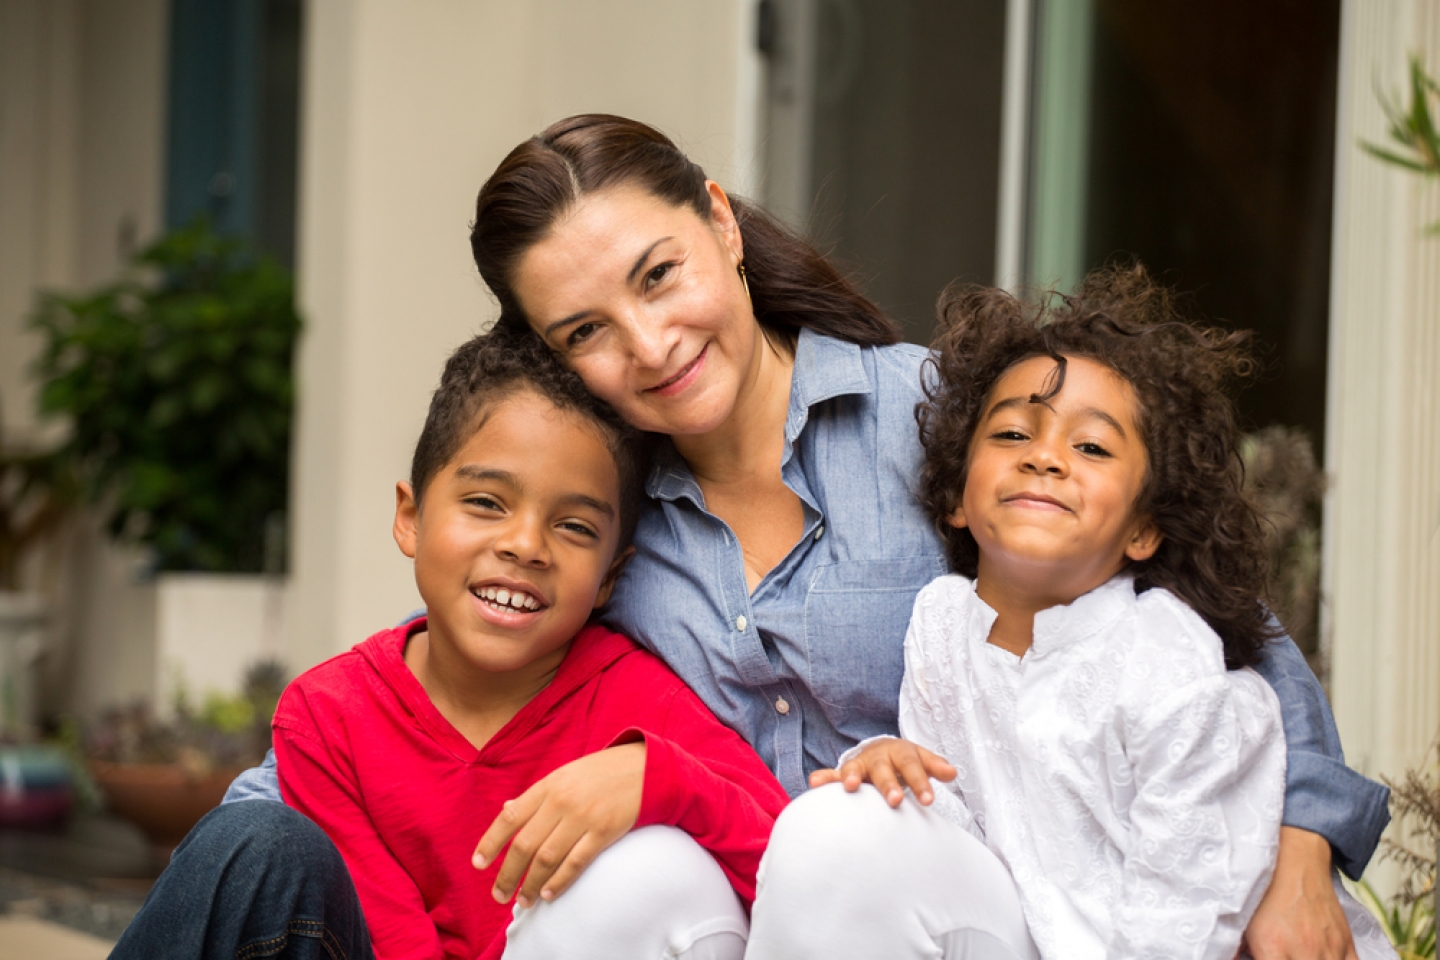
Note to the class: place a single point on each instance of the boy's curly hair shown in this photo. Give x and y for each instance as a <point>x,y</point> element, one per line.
<point>496,365</point>
<point>1213,552</point>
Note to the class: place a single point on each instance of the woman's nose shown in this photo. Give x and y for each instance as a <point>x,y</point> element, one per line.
<point>650,342</point>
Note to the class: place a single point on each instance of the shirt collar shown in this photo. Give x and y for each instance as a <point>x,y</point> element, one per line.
<point>825,368</point>
<point>1056,627</point>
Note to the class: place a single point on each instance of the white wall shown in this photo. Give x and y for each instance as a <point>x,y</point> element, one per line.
<point>82,108</point>
<point>406,109</point>
<point>1382,521</point>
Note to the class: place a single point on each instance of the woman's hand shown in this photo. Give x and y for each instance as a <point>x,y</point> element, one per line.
<point>562,823</point>
<point>892,765</point>
<point>1299,917</point>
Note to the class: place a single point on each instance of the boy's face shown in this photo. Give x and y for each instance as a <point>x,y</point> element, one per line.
<point>1052,487</point>
<point>514,543</point>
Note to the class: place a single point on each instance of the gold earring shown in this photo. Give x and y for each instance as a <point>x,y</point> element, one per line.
<point>744,282</point>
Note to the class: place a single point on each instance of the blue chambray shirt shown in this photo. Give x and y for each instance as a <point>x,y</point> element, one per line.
<point>811,662</point>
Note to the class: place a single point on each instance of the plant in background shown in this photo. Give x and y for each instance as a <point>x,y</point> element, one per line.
<point>37,491</point>
<point>177,383</point>
<point>1414,844</point>
<point>227,731</point>
<point>1413,135</point>
<point>1287,485</point>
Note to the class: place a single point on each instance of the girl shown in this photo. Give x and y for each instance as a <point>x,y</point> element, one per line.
<point>1115,780</point>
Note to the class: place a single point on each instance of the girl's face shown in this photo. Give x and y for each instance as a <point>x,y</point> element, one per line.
<point>643,301</point>
<point>1052,487</point>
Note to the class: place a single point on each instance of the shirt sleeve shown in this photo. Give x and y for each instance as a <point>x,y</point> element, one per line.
<point>1208,766</point>
<point>319,782</point>
<point>1322,794</point>
<point>702,778</point>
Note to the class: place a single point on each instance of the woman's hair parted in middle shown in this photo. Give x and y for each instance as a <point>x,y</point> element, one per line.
<point>1213,552</point>
<point>791,285</point>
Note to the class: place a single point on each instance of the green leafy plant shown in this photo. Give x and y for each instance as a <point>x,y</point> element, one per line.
<point>176,380</point>
<point>37,491</point>
<point>1410,926</point>
<point>1415,141</point>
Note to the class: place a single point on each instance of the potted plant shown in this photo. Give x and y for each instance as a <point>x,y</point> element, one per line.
<point>176,384</point>
<point>163,775</point>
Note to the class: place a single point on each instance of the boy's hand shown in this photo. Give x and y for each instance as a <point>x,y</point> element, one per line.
<point>892,765</point>
<point>561,824</point>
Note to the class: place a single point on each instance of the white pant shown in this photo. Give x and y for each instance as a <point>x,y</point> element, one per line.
<point>654,894</point>
<point>845,877</point>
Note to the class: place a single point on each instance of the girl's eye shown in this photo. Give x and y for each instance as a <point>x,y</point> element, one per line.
<point>580,333</point>
<point>1007,435</point>
<point>657,273</point>
<point>1092,449</point>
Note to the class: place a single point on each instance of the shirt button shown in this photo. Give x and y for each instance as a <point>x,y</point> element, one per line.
<point>740,622</point>
<point>820,531</point>
<point>781,707</point>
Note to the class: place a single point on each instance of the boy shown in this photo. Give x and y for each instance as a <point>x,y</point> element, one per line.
<point>521,503</point>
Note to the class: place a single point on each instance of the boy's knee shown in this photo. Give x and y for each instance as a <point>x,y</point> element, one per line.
<point>256,835</point>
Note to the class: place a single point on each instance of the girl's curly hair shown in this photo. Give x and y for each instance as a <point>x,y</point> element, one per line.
<point>1213,552</point>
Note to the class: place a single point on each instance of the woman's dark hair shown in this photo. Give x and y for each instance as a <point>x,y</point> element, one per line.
<point>791,284</point>
<point>493,367</point>
<point>1213,552</point>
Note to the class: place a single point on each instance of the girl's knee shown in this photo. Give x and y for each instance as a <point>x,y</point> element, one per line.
<point>828,827</point>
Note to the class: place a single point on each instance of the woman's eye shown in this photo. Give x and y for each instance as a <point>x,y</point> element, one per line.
<point>1092,449</point>
<point>657,273</point>
<point>580,333</point>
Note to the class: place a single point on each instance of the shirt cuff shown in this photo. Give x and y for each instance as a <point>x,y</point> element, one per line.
<point>1324,796</point>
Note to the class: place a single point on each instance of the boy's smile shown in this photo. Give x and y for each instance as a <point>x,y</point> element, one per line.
<point>1051,488</point>
<point>514,544</point>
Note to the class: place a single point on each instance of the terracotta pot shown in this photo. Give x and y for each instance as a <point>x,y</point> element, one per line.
<point>162,799</point>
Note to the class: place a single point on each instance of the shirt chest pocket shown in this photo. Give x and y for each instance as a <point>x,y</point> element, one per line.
<point>856,613</point>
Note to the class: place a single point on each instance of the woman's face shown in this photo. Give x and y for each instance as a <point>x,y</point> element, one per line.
<point>643,301</point>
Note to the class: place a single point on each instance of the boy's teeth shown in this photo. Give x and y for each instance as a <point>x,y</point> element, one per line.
<point>516,600</point>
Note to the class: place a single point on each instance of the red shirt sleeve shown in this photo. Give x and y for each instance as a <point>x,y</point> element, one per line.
<point>317,780</point>
<point>701,777</point>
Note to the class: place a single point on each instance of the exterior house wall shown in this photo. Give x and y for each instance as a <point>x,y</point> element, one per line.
<point>406,108</point>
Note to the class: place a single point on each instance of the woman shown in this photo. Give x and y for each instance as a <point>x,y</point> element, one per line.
<point>781,547</point>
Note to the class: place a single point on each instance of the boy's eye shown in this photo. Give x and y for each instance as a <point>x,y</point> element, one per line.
<point>483,501</point>
<point>581,529</point>
<point>1092,449</point>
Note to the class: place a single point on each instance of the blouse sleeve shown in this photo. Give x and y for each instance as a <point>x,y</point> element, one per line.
<point>920,711</point>
<point>1208,760</point>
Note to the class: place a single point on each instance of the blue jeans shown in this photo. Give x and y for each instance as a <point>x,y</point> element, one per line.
<point>252,880</point>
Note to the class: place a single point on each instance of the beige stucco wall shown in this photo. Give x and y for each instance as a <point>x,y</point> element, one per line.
<point>405,109</point>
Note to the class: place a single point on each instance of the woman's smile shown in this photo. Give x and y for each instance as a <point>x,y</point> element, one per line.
<point>688,374</point>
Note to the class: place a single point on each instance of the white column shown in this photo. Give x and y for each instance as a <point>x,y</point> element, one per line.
<point>406,108</point>
<point>1382,518</point>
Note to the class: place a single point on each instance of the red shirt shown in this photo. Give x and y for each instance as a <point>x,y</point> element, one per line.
<point>363,752</point>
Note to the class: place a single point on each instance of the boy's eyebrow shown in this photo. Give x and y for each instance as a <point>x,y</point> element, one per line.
<point>1090,412</point>
<point>629,278</point>
<point>475,473</point>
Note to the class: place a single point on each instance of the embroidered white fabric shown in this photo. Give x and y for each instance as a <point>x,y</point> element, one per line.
<point>1131,784</point>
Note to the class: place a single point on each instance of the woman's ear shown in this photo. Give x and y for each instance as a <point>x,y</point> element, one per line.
<point>722,218</point>
<point>1145,541</point>
<point>407,519</point>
